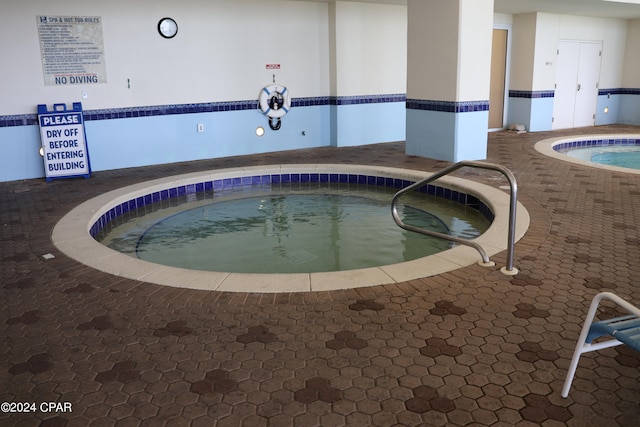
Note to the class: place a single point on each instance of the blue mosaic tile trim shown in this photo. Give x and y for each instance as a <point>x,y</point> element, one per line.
<point>610,91</point>
<point>208,107</point>
<point>226,183</point>
<point>619,91</point>
<point>630,91</point>
<point>125,113</point>
<point>448,106</point>
<point>367,99</point>
<point>165,110</point>
<point>531,94</point>
<point>310,102</point>
<point>19,120</point>
<point>586,143</point>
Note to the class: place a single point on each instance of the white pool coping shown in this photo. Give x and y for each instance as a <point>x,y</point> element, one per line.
<point>546,147</point>
<point>71,236</point>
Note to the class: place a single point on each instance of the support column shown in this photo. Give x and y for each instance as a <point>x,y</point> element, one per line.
<point>448,77</point>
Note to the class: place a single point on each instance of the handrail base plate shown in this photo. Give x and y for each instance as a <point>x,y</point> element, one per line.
<point>507,272</point>
<point>487,264</point>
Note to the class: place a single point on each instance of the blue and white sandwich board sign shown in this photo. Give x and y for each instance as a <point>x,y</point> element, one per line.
<point>64,144</point>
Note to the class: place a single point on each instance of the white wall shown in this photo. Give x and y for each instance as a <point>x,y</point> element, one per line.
<point>631,73</point>
<point>370,49</point>
<point>223,45</point>
<point>502,19</point>
<point>522,51</point>
<point>544,59</point>
<point>219,54</point>
<point>474,44</point>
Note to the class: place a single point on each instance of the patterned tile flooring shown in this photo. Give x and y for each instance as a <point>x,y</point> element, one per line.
<point>469,347</point>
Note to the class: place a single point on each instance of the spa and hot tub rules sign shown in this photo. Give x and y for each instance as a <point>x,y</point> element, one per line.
<point>72,50</point>
<point>64,144</point>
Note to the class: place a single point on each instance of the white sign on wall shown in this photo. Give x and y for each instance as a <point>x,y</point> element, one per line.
<point>64,146</point>
<point>72,50</point>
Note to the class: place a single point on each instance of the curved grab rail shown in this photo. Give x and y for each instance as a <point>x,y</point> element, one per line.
<point>509,269</point>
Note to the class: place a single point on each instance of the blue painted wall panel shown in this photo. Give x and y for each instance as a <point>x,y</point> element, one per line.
<point>447,136</point>
<point>362,124</point>
<point>541,114</point>
<point>427,133</point>
<point>629,109</point>
<point>612,102</point>
<point>20,145</point>
<point>143,141</point>
<point>519,112</point>
<point>471,136</point>
<point>533,112</point>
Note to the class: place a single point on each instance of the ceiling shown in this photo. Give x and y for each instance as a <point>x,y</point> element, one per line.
<point>625,9</point>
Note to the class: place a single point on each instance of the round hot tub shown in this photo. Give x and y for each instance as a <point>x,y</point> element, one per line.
<point>76,233</point>
<point>619,153</point>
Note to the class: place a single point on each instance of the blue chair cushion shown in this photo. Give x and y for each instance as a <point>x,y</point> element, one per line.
<point>625,329</point>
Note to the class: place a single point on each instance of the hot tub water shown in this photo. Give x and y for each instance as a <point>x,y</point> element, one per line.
<point>288,231</point>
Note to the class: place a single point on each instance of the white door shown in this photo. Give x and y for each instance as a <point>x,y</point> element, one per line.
<point>564,97</point>
<point>576,91</point>
<point>587,85</point>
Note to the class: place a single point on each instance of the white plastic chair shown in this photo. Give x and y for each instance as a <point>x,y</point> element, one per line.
<point>621,330</point>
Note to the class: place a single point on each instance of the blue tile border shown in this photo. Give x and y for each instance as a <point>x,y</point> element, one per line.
<point>367,99</point>
<point>165,110</point>
<point>211,107</point>
<point>600,142</point>
<point>310,101</point>
<point>245,181</point>
<point>619,91</point>
<point>531,94</point>
<point>19,120</point>
<point>447,106</point>
<point>207,107</point>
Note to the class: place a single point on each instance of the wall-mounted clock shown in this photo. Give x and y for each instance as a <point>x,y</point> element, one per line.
<point>168,28</point>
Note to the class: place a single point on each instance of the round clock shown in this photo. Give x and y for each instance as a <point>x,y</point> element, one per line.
<point>167,28</point>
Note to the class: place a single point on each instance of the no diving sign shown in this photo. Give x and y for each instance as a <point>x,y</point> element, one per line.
<point>64,144</point>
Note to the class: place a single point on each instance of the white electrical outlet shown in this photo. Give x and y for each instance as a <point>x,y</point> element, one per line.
<point>200,127</point>
<point>84,94</point>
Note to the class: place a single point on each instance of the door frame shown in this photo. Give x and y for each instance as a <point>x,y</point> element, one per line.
<point>507,72</point>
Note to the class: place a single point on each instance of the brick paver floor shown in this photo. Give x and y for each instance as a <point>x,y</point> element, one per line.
<point>469,347</point>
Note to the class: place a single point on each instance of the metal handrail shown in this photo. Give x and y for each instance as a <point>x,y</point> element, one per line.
<point>509,269</point>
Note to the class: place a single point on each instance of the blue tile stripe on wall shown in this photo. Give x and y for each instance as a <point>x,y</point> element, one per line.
<point>619,91</point>
<point>208,107</point>
<point>227,183</point>
<point>370,99</point>
<point>448,106</point>
<point>550,93</point>
<point>531,94</point>
<point>19,120</point>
